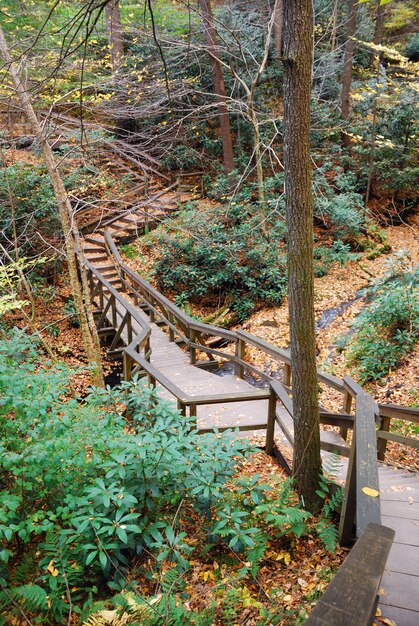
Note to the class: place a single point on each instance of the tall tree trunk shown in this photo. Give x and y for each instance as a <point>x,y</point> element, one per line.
<point>379,23</point>
<point>348,60</point>
<point>71,235</point>
<point>334,25</point>
<point>298,64</point>
<point>114,30</point>
<point>278,28</point>
<point>218,81</point>
<point>378,31</point>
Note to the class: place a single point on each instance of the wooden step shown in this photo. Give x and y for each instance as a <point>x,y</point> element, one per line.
<point>97,239</point>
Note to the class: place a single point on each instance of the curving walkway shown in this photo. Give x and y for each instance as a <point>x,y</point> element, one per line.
<point>232,402</point>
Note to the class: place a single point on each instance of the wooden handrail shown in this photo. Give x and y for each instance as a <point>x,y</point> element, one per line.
<point>351,598</point>
<point>362,480</point>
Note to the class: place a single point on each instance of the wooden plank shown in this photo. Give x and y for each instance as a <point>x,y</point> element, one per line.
<point>367,504</point>
<point>404,559</point>
<point>402,510</point>
<point>350,599</point>
<point>407,530</point>
<point>410,414</point>
<point>400,590</point>
<point>406,441</point>
<point>401,617</point>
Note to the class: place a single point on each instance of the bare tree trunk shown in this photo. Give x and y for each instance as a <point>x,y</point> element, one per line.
<point>298,64</point>
<point>348,63</point>
<point>379,23</point>
<point>71,235</point>
<point>114,30</point>
<point>219,86</point>
<point>278,28</point>
<point>334,26</point>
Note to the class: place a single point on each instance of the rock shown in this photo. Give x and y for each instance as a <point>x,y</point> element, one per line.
<point>272,323</point>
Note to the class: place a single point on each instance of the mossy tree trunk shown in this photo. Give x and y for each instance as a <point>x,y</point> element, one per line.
<point>74,251</point>
<point>298,63</point>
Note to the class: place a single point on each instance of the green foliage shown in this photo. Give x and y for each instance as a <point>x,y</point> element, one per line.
<point>339,252</point>
<point>222,255</point>
<point>79,505</point>
<point>412,48</point>
<point>388,328</point>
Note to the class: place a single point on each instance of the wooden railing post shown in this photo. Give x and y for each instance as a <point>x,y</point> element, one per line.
<point>192,349</point>
<point>287,374</point>
<point>348,512</point>
<point>171,331</point>
<point>347,405</point>
<point>127,360</point>
<point>382,443</point>
<point>270,427</point>
<point>240,353</point>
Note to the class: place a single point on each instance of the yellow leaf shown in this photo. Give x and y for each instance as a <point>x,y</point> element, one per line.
<point>52,570</point>
<point>370,492</point>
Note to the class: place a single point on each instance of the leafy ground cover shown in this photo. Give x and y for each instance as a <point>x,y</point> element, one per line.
<point>116,494</point>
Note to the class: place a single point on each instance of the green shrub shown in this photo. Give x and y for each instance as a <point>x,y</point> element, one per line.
<point>79,505</point>
<point>222,255</point>
<point>339,252</point>
<point>388,328</point>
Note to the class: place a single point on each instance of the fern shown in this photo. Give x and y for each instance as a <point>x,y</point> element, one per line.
<point>327,533</point>
<point>231,608</point>
<point>31,598</point>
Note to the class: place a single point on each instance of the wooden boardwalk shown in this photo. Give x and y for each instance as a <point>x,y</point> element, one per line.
<point>399,490</point>
<point>399,494</point>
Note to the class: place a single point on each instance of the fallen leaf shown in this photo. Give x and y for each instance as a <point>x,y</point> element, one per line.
<point>370,492</point>
<point>52,570</point>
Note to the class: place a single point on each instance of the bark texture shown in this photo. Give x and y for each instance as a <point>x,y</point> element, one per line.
<point>218,81</point>
<point>114,30</point>
<point>278,27</point>
<point>348,60</point>
<point>298,63</point>
<point>71,235</point>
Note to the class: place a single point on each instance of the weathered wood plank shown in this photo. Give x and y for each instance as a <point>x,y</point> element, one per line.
<point>400,590</point>
<point>367,504</point>
<point>351,598</point>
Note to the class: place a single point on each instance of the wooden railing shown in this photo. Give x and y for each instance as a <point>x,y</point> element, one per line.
<point>362,570</point>
<point>366,423</point>
<point>361,501</point>
<point>117,320</point>
<point>351,598</point>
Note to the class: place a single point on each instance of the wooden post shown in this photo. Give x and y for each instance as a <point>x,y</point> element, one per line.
<point>240,353</point>
<point>151,313</point>
<point>129,327</point>
<point>127,366</point>
<point>347,405</point>
<point>171,331</point>
<point>181,407</point>
<point>114,316</point>
<point>192,350</point>
<point>286,375</point>
<point>382,443</point>
<point>347,516</point>
<point>151,380</point>
<point>270,430</point>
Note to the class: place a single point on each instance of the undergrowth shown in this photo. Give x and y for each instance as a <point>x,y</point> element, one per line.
<point>97,494</point>
<point>388,328</point>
